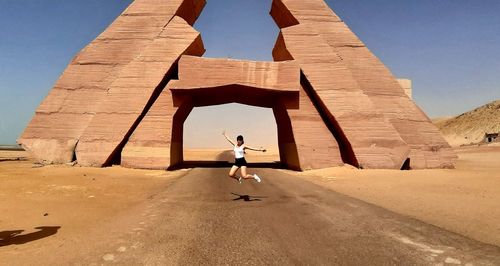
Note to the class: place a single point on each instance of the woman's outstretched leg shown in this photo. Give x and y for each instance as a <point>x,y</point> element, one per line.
<point>232,173</point>
<point>248,176</point>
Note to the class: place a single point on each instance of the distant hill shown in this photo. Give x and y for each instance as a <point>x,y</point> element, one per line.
<point>470,127</point>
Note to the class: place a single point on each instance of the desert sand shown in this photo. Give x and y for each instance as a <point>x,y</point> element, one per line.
<point>71,202</point>
<point>465,200</point>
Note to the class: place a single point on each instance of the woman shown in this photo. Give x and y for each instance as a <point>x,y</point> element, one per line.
<point>240,162</point>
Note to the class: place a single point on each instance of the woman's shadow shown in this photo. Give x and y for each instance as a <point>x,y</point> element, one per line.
<point>14,237</point>
<point>247,197</point>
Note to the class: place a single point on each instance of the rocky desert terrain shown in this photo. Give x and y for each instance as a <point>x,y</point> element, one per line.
<point>470,127</point>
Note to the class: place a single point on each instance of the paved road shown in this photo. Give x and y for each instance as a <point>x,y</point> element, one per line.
<point>206,218</point>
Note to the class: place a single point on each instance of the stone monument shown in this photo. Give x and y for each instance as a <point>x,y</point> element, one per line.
<point>124,98</point>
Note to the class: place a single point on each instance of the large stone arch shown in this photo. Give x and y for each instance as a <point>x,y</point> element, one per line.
<point>118,100</point>
<point>203,82</point>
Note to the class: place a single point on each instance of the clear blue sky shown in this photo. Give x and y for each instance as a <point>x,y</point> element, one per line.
<point>449,48</point>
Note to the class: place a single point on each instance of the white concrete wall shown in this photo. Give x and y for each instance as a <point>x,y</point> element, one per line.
<point>407,86</point>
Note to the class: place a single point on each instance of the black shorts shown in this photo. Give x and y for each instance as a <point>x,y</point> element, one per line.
<point>240,162</point>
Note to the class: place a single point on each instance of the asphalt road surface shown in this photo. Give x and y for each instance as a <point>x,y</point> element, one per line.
<point>204,217</point>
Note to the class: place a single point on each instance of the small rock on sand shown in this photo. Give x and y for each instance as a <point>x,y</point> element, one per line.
<point>108,257</point>
<point>452,261</point>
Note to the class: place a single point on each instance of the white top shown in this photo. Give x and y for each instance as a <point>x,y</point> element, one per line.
<point>239,151</point>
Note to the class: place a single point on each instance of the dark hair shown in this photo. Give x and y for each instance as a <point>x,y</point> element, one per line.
<point>240,137</point>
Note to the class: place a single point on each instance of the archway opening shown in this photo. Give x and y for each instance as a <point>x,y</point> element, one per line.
<point>204,144</point>
<point>216,82</point>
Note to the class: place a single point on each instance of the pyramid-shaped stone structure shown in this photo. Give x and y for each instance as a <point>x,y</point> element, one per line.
<point>124,98</point>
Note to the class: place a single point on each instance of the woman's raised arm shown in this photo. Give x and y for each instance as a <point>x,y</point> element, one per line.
<point>228,139</point>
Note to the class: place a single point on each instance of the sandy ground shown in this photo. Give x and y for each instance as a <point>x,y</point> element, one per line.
<point>46,209</point>
<point>202,217</point>
<point>465,200</point>
<point>13,156</point>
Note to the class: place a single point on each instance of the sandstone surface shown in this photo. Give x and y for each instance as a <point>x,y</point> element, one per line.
<point>64,115</point>
<point>130,96</point>
<point>157,142</point>
<point>307,20</point>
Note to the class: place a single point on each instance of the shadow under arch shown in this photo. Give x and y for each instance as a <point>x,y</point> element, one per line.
<point>224,160</point>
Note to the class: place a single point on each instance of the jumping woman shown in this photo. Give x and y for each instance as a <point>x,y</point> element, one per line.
<point>239,162</point>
